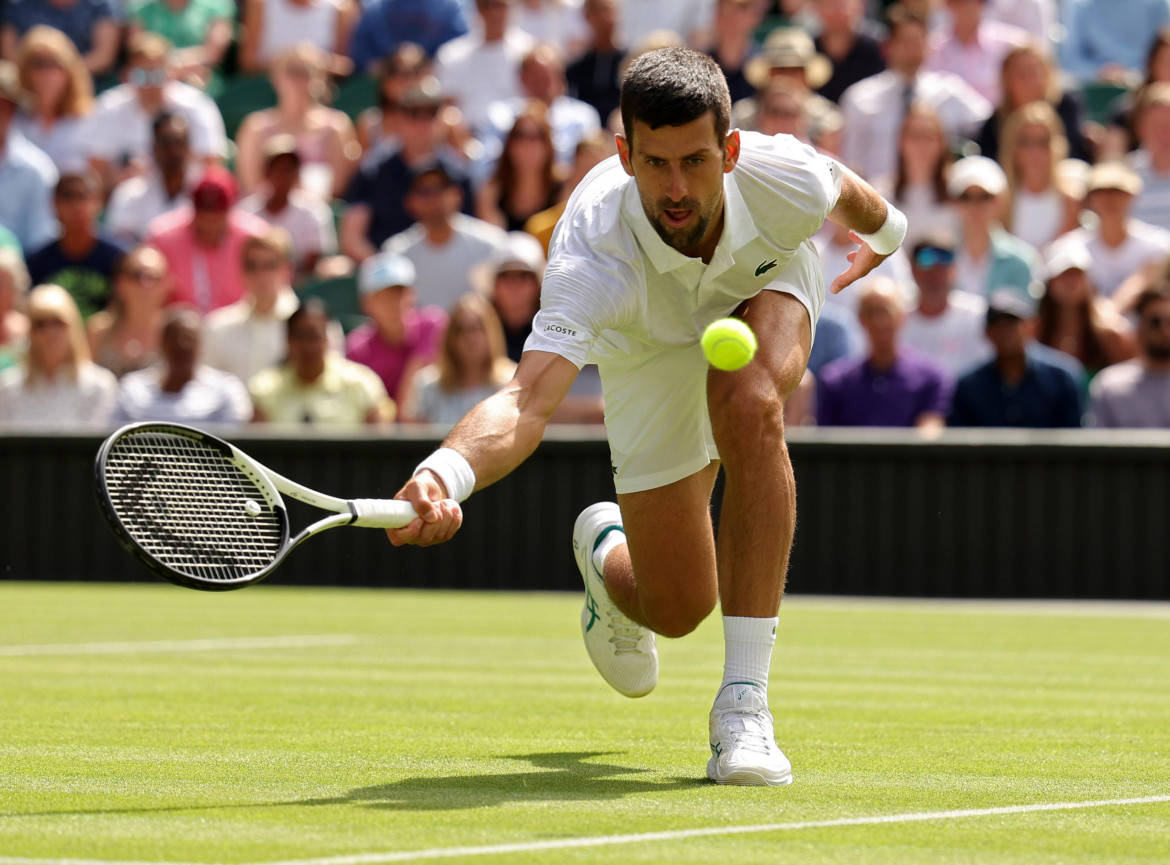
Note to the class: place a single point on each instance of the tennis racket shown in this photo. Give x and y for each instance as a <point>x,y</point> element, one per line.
<point>201,513</point>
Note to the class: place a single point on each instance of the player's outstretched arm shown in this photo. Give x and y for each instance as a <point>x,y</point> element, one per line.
<point>875,224</point>
<point>489,442</point>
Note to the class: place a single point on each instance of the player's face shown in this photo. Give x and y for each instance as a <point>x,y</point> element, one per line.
<point>679,172</point>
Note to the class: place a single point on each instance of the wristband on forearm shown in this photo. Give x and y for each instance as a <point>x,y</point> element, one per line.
<point>449,466</point>
<point>890,236</point>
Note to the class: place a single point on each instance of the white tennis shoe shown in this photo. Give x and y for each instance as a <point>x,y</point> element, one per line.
<point>743,745</point>
<point>623,651</point>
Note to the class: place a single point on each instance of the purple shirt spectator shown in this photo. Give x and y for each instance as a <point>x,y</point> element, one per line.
<point>851,392</point>
<point>424,329</point>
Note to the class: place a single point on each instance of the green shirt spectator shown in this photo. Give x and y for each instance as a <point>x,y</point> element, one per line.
<point>199,30</point>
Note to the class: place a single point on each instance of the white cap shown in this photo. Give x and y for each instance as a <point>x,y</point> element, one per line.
<point>521,251</point>
<point>1067,256</point>
<point>976,171</point>
<point>384,270</point>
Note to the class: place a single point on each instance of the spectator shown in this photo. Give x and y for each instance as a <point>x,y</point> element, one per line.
<point>1019,386</point>
<point>180,388</point>
<point>734,33</point>
<point>918,186</point>
<point>891,385</point>
<point>1152,158</point>
<point>987,256</point>
<point>691,20</point>
<point>403,70</point>
<point>14,284</point>
<point>1121,132</point>
<point>200,32</point>
<point>782,109</point>
<point>947,325</point>
<point>558,22</point>
<point>60,97</point>
<point>591,150</point>
<point>483,66</point>
<point>399,338</point>
<point>973,46</point>
<point>120,136</point>
<point>281,202</point>
<point>594,76</point>
<point>850,41</point>
<point>1040,207</point>
<point>1136,393</point>
<point>203,244</point>
<point>1073,319</point>
<point>874,107</point>
<point>78,259</point>
<point>443,245</point>
<point>835,246</point>
<point>272,27</point>
<point>838,335</point>
<point>511,281</point>
<point>1026,76</point>
<point>325,137</point>
<point>386,24</point>
<point>1035,17</point>
<point>315,385</point>
<point>57,385</point>
<point>137,201</point>
<point>124,337</point>
<point>374,201</point>
<point>91,26</point>
<point>27,176</point>
<point>788,55</point>
<point>1106,40</point>
<point>527,178</point>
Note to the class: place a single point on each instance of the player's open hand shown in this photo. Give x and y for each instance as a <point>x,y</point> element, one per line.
<point>439,518</point>
<point>862,260</point>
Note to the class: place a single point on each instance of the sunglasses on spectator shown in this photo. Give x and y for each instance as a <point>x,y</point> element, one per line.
<point>147,77</point>
<point>1035,141</point>
<point>934,256</point>
<point>43,323</point>
<point>143,275</point>
<point>422,112</point>
<point>253,265</point>
<point>42,62</point>
<point>976,197</point>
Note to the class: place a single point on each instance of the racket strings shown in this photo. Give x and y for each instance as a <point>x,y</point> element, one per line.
<point>186,504</point>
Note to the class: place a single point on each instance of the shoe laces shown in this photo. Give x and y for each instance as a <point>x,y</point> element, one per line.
<point>627,636</point>
<point>748,729</point>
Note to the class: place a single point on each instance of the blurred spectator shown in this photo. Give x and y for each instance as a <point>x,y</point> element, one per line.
<point>120,136</point>
<point>1036,17</point>
<point>527,178</point>
<point>385,24</point>
<point>14,284</point>
<point>918,185</point>
<point>558,22</point>
<point>199,31</point>
<point>315,385</point>
<point>1107,40</point>
<point>1137,393</point>
<point>736,22</point>
<point>594,76</point>
<point>1152,158</point>
<point>137,201</point>
<point>1121,132</point>
<point>1019,386</point>
<point>375,210</point>
<point>325,137</point>
<point>947,325</point>
<point>788,55</point>
<point>401,71</point>
<point>399,339</point>
<point>181,388</point>
<point>443,245</point>
<point>851,41</point>
<point>591,150</point>
<point>124,336</point>
<point>835,246</point>
<point>27,176</point>
<point>272,27</point>
<point>280,201</point>
<point>483,66</point>
<point>973,46</point>
<point>838,335</point>
<point>692,20</point>
<point>472,365</point>
<point>78,259</point>
<point>511,281</point>
<point>873,108</point>
<point>1073,319</point>
<point>203,244</point>
<point>91,26</point>
<point>249,335</point>
<point>891,385</point>
<point>781,109</point>
<point>987,256</point>
<point>1026,76</point>
<point>57,385</point>
<point>1039,207</point>
<point>60,97</point>
<point>1119,246</point>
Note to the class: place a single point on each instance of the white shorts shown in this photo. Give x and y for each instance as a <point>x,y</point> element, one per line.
<point>656,403</point>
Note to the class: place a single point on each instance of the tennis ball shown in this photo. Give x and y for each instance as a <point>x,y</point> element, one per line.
<point>729,344</point>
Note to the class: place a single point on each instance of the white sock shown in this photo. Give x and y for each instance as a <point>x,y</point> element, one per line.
<point>748,650</point>
<point>612,539</point>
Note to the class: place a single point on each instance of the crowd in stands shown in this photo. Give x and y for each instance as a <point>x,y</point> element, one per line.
<point>339,212</point>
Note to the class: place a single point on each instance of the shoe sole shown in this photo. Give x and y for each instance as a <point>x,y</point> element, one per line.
<point>747,778</point>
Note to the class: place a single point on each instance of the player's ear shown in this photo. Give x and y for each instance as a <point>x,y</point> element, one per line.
<point>623,146</point>
<point>730,150</point>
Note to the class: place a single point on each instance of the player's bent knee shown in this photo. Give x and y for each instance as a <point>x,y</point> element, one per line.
<point>754,410</point>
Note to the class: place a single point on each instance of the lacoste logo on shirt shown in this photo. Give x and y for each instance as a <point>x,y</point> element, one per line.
<point>764,266</point>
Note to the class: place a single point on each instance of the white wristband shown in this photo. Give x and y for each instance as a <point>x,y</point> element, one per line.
<point>449,466</point>
<point>890,236</point>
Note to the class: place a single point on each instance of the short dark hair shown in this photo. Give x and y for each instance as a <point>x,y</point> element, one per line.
<point>166,117</point>
<point>898,15</point>
<point>673,87</point>
<point>308,306</point>
<point>1159,290</point>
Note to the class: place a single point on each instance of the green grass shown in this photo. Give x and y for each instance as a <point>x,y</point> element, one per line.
<point>458,719</point>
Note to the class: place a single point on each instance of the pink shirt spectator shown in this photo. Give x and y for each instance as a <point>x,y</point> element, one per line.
<point>424,330</point>
<point>977,62</point>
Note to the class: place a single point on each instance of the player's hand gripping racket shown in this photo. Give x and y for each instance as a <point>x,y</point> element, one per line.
<point>199,512</point>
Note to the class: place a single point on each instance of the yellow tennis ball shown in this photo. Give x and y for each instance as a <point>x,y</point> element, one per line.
<point>729,344</point>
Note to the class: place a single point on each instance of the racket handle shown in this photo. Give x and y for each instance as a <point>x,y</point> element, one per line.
<point>382,513</point>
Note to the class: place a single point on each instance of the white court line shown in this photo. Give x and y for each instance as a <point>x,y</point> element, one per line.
<point>204,645</point>
<point>674,835</point>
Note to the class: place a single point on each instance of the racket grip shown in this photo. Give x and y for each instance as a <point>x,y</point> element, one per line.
<point>382,513</point>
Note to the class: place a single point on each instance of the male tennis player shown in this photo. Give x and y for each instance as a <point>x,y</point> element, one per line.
<point>689,223</point>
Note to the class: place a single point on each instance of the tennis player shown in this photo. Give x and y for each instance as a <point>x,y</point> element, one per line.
<point>689,223</point>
